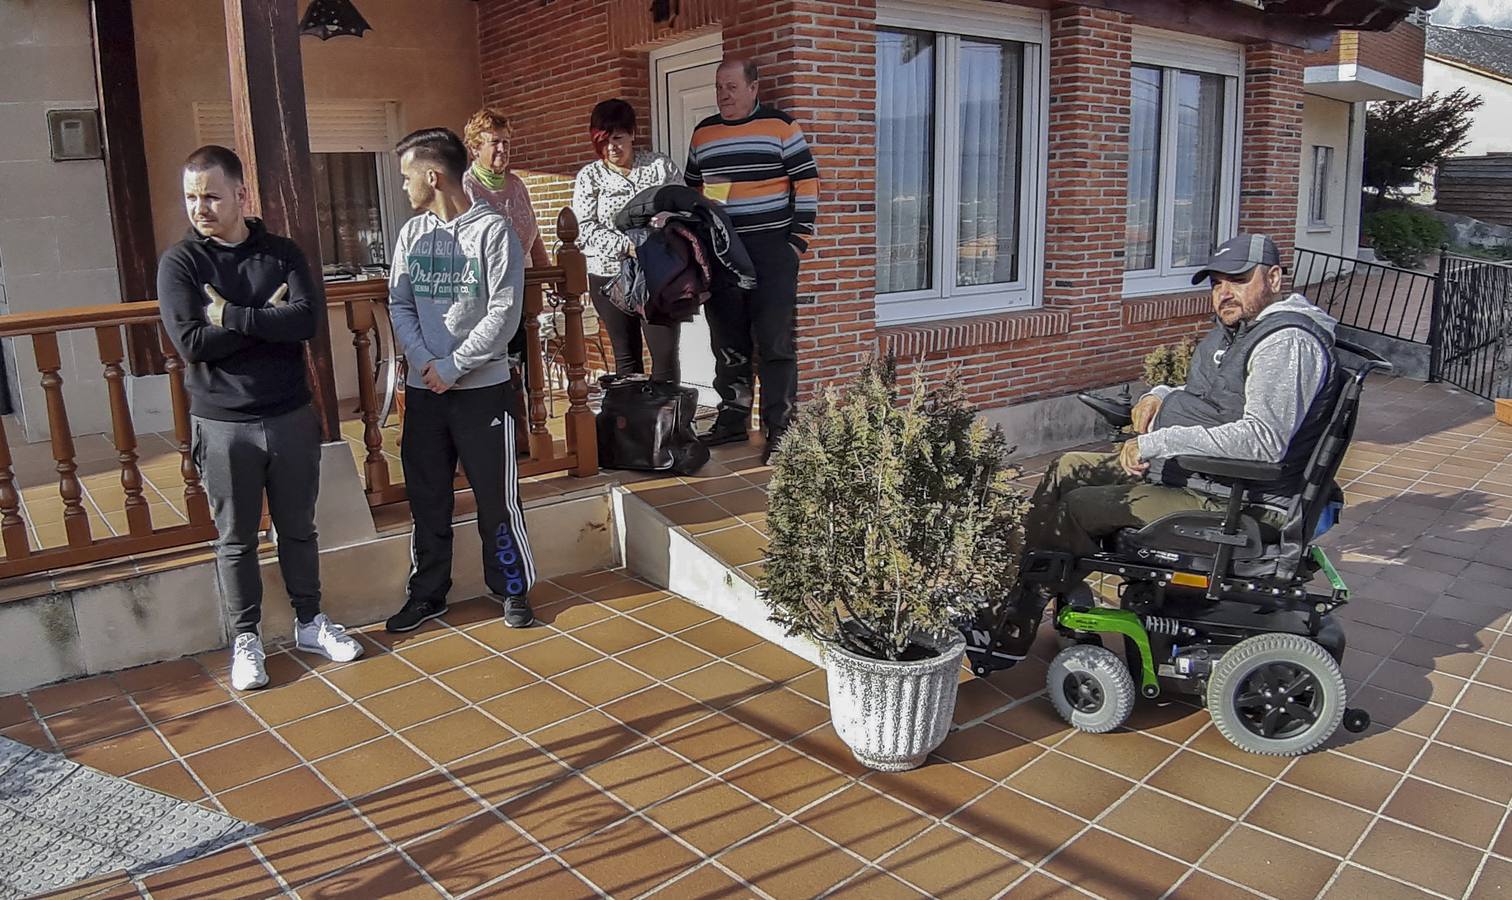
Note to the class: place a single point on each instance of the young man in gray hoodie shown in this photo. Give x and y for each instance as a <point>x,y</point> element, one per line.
<point>456,292</point>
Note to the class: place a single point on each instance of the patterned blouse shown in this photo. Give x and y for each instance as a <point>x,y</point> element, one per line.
<point>598,196</point>
<point>513,200</point>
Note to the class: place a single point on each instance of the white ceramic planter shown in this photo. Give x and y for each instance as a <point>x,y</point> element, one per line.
<point>892,714</point>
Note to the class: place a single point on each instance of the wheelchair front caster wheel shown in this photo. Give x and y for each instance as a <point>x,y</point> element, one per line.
<point>1356,720</point>
<point>1276,695</point>
<point>1091,688</point>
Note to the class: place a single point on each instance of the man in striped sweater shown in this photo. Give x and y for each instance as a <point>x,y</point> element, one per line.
<point>753,159</point>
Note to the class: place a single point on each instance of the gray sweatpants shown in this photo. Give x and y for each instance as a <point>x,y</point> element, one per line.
<point>240,462</point>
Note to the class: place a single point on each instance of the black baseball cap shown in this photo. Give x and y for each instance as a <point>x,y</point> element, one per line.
<point>1238,255</point>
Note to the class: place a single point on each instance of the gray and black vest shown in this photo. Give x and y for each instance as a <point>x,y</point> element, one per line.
<point>1214,395</point>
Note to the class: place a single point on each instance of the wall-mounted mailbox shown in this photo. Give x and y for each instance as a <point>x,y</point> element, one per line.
<point>74,134</point>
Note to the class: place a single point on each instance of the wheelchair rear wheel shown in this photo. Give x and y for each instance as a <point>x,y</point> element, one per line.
<point>1091,688</point>
<point>1276,695</point>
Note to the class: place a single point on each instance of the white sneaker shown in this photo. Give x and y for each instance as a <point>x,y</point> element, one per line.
<point>247,670</point>
<point>328,639</point>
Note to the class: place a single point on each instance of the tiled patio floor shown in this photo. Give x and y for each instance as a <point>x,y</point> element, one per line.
<point>634,745</point>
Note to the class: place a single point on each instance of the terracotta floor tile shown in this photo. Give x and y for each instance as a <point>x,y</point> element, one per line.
<point>1173,720</point>
<point>72,694</point>
<point>1035,720</point>
<point>599,683</point>
<point>207,728</point>
<point>1480,735</point>
<point>1343,779</point>
<point>977,698</point>
<point>1312,820</point>
<point>789,861</point>
<point>628,596</point>
<point>113,886</point>
<point>989,751</point>
<point>772,662</point>
<point>564,811</point>
<point>1466,771</point>
<point>533,707</point>
<point>1488,701</point>
<point>785,779</point>
<point>283,798</point>
<point>946,863</point>
<point>1129,753</point>
<point>1354,882</point>
<point>323,844</point>
<point>696,515</point>
<point>172,779</point>
<point>812,685</point>
<point>644,775</point>
<point>716,743</point>
<point>780,713</point>
<point>123,753</point>
<point>1269,864</point>
<point>872,882</point>
<point>14,710</point>
<point>411,704</point>
<point>504,772</point>
<point>673,614</point>
<point>144,678</point>
<point>1495,880</point>
<point>1393,749</point>
<point>1214,785</point>
<point>280,705</point>
<point>1201,886</point>
<point>374,765</point>
<point>387,876</point>
<point>666,658</point>
<point>230,873</point>
<point>554,656</point>
<point>1211,742</point>
<point>426,632</point>
<point>1109,866</point>
<point>472,611</point>
<point>629,858</point>
<point>1025,828</point>
<point>656,710</point>
<point>720,637</point>
<point>239,762</point>
<point>504,639</point>
<point>1446,813</point>
<point>584,582</point>
<point>457,734</point>
<point>194,692</point>
<point>572,612</point>
<point>864,821</point>
<point>329,732</point>
<point>721,685</point>
<point>586,739</point>
<point>369,676</point>
<point>615,635</point>
<point>467,854</point>
<point>935,788</point>
<point>1419,858</point>
<point>1152,819</point>
<point>32,735</point>
<point>94,721</point>
<point>1070,786</point>
<point>407,810</point>
<point>443,653</point>
<point>736,546</point>
<point>547,878</point>
<point>712,816</point>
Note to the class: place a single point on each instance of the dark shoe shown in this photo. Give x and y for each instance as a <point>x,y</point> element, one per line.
<point>414,614</point>
<point>773,446</point>
<point>517,612</point>
<point>724,433</point>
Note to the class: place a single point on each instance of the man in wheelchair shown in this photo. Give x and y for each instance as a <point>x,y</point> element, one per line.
<point>1206,514</point>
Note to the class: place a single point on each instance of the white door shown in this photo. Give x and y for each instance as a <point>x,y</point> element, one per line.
<point>682,95</point>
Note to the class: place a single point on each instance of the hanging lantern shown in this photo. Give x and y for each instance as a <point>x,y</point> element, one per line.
<point>326,19</point>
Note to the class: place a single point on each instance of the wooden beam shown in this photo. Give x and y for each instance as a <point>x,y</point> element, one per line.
<point>1229,21</point>
<point>273,140</point>
<point>126,172</point>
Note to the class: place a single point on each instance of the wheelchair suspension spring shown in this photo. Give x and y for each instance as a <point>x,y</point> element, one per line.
<point>1166,626</point>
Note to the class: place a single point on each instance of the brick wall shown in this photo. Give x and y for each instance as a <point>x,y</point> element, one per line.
<point>1271,144</point>
<point>1398,52</point>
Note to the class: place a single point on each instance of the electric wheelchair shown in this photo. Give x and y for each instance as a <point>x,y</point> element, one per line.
<point>1211,604</point>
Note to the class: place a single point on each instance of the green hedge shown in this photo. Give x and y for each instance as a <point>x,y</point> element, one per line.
<point>1403,237</point>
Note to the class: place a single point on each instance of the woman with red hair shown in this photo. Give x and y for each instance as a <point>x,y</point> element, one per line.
<point>603,188</point>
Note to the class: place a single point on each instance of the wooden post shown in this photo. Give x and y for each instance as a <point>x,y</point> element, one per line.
<point>195,504</point>
<point>541,444</point>
<point>75,519</point>
<point>582,437</point>
<point>359,318</point>
<point>12,526</point>
<point>273,140</point>
<point>126,171</point>
<point>138,516</point>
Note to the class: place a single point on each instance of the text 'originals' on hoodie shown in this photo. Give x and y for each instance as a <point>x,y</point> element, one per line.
<point>455,295</point>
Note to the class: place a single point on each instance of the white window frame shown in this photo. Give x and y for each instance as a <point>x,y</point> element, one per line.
<point>949,22</point>
<point>1322,171</point>
<point>1172,51</point>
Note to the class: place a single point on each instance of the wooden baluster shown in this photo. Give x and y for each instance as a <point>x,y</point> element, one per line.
<point>194,492</point>
<point>581,436</point>
<point>359,316</point>
<point>541,445</point>
<point>112,352</point>
<point>49,362</point>
<point>12,526</point>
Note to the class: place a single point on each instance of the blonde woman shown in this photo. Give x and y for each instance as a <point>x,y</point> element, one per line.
<point>488,136</point>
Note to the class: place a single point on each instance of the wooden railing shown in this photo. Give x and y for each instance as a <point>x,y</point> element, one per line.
<point>365,305</point>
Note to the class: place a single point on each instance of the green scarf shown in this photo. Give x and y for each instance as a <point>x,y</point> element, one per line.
<point>487,178</point>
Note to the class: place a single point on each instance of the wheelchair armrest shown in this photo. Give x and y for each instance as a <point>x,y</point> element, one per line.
<point>1230,469</point>
<point>1116,412</point>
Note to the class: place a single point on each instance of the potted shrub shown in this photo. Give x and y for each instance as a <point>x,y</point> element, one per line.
<point>891,524</point>
<point>1169,364</point>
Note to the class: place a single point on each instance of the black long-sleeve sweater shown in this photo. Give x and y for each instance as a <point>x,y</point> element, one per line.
<point>252,366</point>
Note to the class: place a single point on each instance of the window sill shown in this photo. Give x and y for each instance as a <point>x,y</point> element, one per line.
<point>1319,228</point>
<point>1161,307</point>
<point>923,338</point>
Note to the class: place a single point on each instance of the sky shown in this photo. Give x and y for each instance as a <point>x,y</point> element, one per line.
<point>1474,12</point>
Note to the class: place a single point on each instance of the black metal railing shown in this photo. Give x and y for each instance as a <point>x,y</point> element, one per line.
<point>1473,325</point>
<point>1370,296</point>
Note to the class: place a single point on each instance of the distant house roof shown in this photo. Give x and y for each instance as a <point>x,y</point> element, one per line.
<point>1481,47</point>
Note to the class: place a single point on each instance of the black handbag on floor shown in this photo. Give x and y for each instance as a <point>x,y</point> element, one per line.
<point>648,425</point>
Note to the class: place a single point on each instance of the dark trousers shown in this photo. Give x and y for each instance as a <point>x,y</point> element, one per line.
<point>761,321</point>
<point>477,426</point>
<point>625,333</point>
<point>239,462</point>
